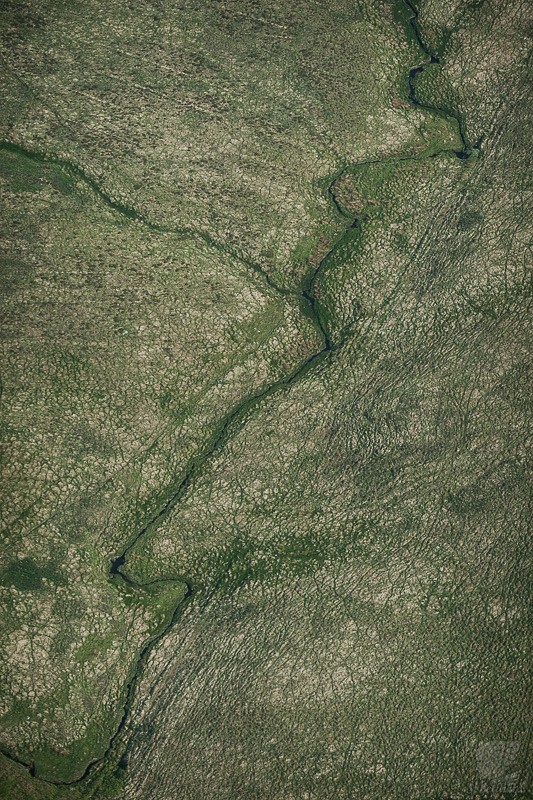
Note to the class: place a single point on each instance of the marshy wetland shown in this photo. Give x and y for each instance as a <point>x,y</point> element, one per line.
<point>265,400</point>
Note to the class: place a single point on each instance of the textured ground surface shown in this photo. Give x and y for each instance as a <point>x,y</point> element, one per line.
<point>266,382</point>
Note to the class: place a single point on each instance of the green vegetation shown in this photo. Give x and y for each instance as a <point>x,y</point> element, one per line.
<point>26,575</point>
<point>265,401</point>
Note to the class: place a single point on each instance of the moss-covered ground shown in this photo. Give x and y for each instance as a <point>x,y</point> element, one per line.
<point>265,400</point>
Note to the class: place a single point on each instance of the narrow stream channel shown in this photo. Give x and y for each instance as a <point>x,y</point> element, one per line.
<point>307,296</point>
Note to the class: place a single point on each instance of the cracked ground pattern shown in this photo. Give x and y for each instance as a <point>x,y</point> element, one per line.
<point>266,280</point>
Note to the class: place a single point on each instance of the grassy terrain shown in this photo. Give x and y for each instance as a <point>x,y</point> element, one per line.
<point>113,380</point>
<point>265,401</point>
